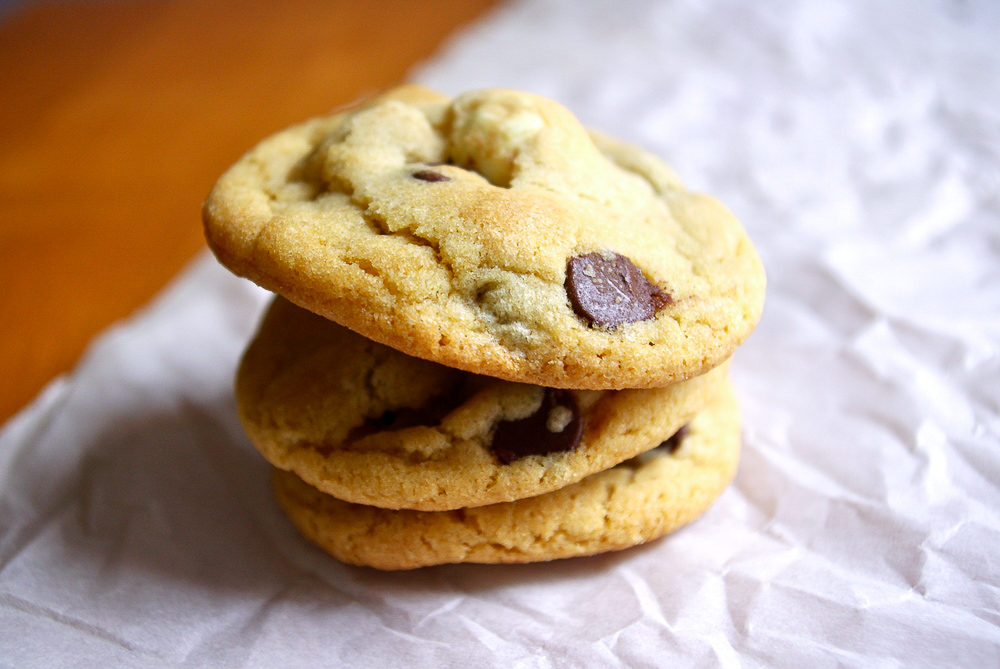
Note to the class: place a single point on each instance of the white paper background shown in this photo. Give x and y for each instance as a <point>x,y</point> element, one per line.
<point>860,144</point>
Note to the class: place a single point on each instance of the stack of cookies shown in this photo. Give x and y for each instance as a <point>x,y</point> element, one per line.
<point>497,336</point>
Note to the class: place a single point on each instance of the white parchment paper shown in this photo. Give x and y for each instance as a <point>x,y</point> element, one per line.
<point>860,144</point>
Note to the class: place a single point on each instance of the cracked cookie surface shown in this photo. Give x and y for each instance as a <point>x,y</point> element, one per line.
<point>445,228</point>
<point>634,502</point>
<point>371,425</point>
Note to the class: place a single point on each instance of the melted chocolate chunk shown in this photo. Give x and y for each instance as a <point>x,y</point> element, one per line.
<point>390,420</point>
<point>430,175</point>
<point>556,426</point>
<point>674,442</point>
<point>670,445</point>
<point>429,414</point>
<point>608,290</point>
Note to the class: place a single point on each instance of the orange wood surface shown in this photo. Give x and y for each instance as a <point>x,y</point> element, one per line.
<point>117,116</point>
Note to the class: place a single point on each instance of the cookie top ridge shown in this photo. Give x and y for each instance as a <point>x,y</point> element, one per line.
<point>492,233</point>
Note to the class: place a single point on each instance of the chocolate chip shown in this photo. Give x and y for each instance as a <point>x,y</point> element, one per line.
<point>556,426</point>
<point>397,419</point>
<point>607,289</point>
<point>670,445</point>
<point>430,175</point>
<point>674,442</point>
<point>429,414</point>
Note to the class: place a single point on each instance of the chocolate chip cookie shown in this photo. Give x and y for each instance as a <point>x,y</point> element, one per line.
<point>371,425</point>
<point>633,502</point>
<point>492,233</point>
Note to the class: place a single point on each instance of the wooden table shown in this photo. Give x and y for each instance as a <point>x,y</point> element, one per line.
<point>117,117</point>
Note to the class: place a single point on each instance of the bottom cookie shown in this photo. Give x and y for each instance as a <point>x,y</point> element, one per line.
<point>632,503</point>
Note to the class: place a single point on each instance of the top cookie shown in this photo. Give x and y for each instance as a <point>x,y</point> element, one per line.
<point>494,234</point>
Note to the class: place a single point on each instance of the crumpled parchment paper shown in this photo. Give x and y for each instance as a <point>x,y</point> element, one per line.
<point>859,143</point>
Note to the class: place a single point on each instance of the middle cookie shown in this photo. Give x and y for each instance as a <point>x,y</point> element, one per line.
<point>370,425</point>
